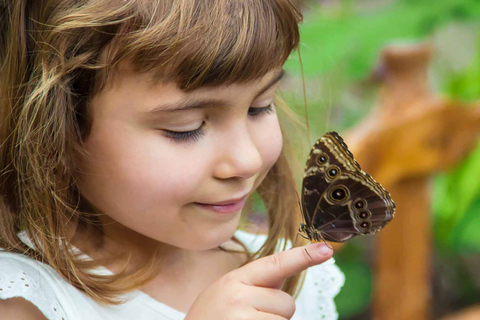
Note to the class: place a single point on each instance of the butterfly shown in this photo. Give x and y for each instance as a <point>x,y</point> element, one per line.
<point>340,201</point>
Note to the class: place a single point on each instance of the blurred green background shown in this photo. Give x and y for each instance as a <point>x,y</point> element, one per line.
<point>340,43</point>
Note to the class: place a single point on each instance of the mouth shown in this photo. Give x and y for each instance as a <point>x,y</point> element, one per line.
<point>227,206</point>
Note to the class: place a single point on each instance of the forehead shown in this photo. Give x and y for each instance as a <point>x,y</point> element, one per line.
<point>126,76</point>
<point>130,91</point>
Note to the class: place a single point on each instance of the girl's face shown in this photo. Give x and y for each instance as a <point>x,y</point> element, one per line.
<point>176,167</point>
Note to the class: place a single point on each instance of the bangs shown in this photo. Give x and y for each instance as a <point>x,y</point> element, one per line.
<point>207,43</point>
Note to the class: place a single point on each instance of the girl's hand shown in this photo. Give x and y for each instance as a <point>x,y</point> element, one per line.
<point>253,291</point>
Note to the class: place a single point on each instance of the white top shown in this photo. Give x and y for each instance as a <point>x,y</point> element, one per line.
<point>57,299</point>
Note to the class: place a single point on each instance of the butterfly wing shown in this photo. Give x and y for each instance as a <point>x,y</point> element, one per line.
<point>340,201</point>
<point>328,153</point>
<point>353,204</point>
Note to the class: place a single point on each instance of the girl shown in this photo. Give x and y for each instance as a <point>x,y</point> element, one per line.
<point>132,134</point>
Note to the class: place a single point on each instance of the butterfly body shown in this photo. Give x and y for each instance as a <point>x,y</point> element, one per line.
<point>339,200</point>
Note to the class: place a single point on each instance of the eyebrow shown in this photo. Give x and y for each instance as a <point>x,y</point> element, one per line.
<point>200,104</point>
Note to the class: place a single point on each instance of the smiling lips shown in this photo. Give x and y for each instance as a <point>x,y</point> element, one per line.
<point>229,206</point>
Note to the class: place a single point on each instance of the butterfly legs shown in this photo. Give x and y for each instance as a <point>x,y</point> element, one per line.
<point>318,237</point>
<point>303,231</point>
<point>300,232</point>
<point>310,234</point>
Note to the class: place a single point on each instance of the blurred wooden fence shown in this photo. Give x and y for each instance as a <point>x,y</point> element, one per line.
<point>412,134</point>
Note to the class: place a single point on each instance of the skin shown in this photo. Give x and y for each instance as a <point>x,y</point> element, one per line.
<point>149,186</point>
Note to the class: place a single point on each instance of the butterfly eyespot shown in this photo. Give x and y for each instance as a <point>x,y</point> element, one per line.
<point>365,225</point>
<point>339,194</point>
<point>363,215</point>
<point>339,200</point>
<point>333,171</point>
<point>360,204</point>
<point>322,159</point>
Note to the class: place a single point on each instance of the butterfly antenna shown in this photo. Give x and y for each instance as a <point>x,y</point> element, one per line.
<point>304,96</point>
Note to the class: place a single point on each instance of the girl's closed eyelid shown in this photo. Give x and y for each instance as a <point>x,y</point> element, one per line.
<point>263,103</point>
<point>252,111</point>
<point>182,127</point>
<point>194,135</point>
<point>183,136</point>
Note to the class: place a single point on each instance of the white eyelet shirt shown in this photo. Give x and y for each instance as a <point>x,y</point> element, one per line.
<point>57,299</point>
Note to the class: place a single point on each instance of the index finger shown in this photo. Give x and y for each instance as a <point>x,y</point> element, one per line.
<point>272,270</point>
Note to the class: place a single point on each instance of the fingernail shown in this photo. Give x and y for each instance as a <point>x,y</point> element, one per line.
<point>322,248</point>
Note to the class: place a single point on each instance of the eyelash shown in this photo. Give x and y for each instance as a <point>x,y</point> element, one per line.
<point>259,111</point>
<point>194,135</point>
<point>182,136</point>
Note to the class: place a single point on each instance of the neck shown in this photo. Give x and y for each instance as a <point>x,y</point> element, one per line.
<point>113,247</point>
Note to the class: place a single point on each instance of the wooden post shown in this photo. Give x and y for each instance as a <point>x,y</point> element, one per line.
<point>402,284</point>
<point>411,134</point>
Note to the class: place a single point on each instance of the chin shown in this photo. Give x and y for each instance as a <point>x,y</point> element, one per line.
<point>209,239</point>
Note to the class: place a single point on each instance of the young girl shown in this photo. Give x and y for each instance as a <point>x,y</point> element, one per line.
<point>132,134</point>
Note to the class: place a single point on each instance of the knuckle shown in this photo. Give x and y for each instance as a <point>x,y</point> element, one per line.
<point>290,307</point>
<point>287,304</point>
<point>238,297</point>
<point>276,262</point>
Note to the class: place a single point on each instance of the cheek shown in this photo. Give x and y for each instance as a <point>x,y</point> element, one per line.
<point>129,171</point>
<point>270,142</point>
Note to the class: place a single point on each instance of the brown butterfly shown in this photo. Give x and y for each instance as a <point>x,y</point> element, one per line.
<point>339,200</point>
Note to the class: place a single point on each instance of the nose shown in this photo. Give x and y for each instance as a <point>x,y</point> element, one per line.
<point>238,155</point>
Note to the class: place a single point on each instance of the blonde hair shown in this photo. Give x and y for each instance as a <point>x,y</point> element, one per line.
<point>57,54</point>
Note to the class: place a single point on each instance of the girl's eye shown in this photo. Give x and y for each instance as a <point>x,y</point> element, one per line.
<point>194,135</point>
<point>259,111</point>
<point>183,136</point>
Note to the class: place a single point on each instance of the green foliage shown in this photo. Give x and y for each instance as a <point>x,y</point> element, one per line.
<point>456,194</point>
<point>466,237</point>
<point>354,39</point>
<point>456,201</point>
<point>465,85</point>
<point>356,294</point>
